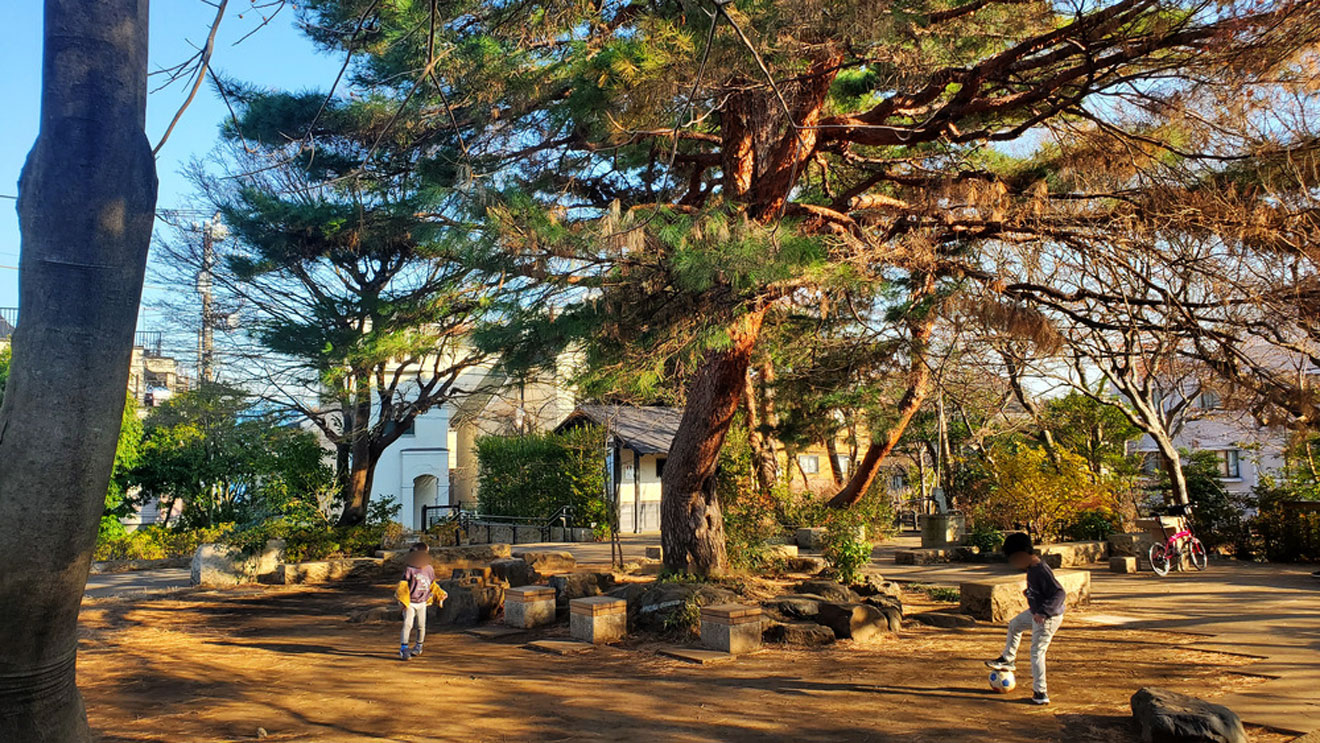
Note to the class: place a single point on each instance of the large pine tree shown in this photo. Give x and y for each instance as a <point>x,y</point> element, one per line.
<point>684,169</point>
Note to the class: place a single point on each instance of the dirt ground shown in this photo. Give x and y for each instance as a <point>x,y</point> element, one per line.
<point>210,666</point>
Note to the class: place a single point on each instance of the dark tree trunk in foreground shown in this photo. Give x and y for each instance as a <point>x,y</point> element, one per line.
<point>86,202</point>
<point>913,397</point>
<point>691,524</point>
<point>362,465</point>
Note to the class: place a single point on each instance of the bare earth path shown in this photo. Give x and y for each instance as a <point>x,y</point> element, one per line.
<point>1271,612</point>
<point>217,665</point>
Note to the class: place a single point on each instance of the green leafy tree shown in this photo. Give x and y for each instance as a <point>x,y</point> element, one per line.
<point>1097,432</point>
<point>5,355</point>
<point>208,451</point>
<point>128,453</point>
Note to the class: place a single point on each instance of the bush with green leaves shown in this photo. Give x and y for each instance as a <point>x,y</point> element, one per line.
<point>534,475</point>
<point>157,542</point>
<point>984,537</point>
<point>846,549</point>
<point>1091,524</point>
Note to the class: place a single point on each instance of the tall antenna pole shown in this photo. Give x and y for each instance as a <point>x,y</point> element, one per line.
<point>206,337</point>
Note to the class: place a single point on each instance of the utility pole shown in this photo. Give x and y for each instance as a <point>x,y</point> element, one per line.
<point>211,230</point>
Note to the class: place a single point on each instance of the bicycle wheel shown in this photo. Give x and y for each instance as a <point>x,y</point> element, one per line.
<point>1159,559</point>
<point>1196,551</point>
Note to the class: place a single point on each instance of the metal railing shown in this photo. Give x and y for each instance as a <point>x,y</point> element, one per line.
<point>484,525</point>
<point>8,320</point>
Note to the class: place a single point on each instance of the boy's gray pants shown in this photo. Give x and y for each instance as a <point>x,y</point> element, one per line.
<point>1041,635</point>
<point>414,613</point>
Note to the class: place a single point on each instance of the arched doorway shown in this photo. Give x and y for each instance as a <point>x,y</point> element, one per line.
<point>426,492</point>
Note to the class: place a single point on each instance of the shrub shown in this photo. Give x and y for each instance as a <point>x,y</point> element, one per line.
<point>1286,527</point>
<point>536,474</point>
<point>1029,490</point>
<point>845,551</point>
<point>157,542</point>
<point>1092,524</point>
<point>984,537</point>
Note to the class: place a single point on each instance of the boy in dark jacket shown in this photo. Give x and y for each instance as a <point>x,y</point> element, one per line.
<point>1045,603</point>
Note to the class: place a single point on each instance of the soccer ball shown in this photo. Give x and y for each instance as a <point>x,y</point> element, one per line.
<point>1002,681</point>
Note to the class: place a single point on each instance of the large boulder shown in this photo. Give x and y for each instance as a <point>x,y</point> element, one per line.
<point>805,564</point>
<point>652,606</point>
<point>548,562</point>
<point>859,622</point>
<point>873,584</point>
<point>794,605</point>
<point>797,633</point>
<point>890,606</point>
<point>515,572</point>
<point>830,590</point>
<point>571,586</point>
<point>326,571</point>
<point>467,604</point>
<point>467,556</point>
<point>217,565</point>
<point>810,538</point>
<point>1169,717</point>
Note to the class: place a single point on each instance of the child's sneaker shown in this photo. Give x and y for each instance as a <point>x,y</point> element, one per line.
<point>1040,698</point>
<point>999,664</point>
<point>404,653</point>
<point>417,649</point>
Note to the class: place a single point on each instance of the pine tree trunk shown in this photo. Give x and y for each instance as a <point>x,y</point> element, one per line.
<point>87,198</point>
<point>691,523</point>
<point>362,460</point>
<point>918,389</point>
<point>765,464</point>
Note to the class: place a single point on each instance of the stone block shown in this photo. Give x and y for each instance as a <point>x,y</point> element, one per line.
<point>1122,564</point>
<point>781,551</point>
<point>810,538</point>
<point>942,529</point>
<point>1074,554</point>
<point>924,556</point>
<point>513,572</point>
<point>494,533</point>
<point>221,565</point>
<point>1168,717</point>
<point>557,534</point>
<point>548,562</point>
<point>471,576</point>
<point>526,607</point>
<point>1000,599</point>
<point>598,619</point>
<point>581,534</point>
<point>1133,544</point>
<point>655,553</point>
<point>731,628</point>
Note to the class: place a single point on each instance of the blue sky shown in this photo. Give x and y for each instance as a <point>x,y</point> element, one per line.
<point>277,56</point>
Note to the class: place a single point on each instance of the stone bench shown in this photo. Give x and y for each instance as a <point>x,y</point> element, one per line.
<point>1074,554</point>
<point>731,628</point>
<point>925,556</point>
<point>1133,544</point>
<point>526,607</point>
<point>1000,599</point>
<point>1122,564</point>
<point>598,619</point>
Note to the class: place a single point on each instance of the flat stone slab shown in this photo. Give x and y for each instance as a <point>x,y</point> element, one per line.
<point>943,619</point>
<point>925,556</point>
<point>1000,598</point>
<point>699,656</point>
<point>560,647</point>
<point>494,633</point>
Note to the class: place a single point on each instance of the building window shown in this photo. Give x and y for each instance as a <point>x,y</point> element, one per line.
<point>810,463</point>
<point>896,481</point>
<point>843,464</point>
<point>1209,400</point>
<point>660,467</point>
<point>408,430</point>
<point>1230,466</point>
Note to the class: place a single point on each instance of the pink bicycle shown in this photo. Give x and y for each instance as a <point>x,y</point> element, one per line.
<point>1179,546</point>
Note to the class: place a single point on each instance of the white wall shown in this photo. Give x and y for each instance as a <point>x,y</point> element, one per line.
<point>423,452</point>
<point>631,496</point>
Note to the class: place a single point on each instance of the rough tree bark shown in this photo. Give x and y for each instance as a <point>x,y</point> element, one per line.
<point>918,388</point>
<point>760,417</point>
<point>87,197</point>
<point>691,523</point>
<point>362,465</point>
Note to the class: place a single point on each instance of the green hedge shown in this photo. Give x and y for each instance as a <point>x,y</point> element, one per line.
<point>535,474</point>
